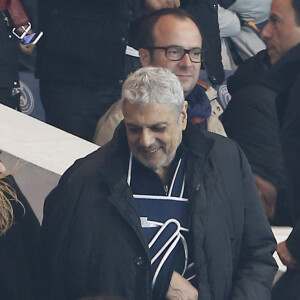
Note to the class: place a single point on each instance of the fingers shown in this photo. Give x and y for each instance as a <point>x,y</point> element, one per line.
<point>159,4</point>
<point>176,3</point>
<point>2,168</point>
<point>285,256</point>
<point>27,49</point>
<point>180,288</point>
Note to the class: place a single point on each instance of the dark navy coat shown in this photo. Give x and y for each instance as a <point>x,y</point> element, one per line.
<point>92,240</point>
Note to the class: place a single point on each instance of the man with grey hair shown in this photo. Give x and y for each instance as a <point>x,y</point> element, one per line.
<point>162,211</point>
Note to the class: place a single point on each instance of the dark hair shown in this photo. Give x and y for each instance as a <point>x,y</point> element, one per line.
<point>145,24</point>
<point>296,7</point>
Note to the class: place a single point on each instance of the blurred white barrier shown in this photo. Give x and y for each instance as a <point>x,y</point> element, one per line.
<point>281,234</point>
<point>44,153</point>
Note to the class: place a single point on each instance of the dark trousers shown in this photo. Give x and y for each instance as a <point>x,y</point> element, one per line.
<point>75,108</point>
<point>288,286</point>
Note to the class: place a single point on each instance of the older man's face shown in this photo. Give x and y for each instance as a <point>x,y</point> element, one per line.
<point>154,133</point>
<point>171,31</point>
<point>282,33</point>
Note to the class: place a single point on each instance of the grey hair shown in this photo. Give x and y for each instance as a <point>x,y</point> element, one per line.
<point>153,85</point>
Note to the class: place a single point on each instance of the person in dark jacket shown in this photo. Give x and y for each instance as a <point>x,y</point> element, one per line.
<point>19,233</point>
<point>283,43</point>
<point>157,173</point>
<point>80,61</point>
<point>9,51</point>
<point>251,120</point>
<point>13,18</point>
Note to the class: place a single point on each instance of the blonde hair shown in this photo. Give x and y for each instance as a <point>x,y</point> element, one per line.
<point>7,194</point>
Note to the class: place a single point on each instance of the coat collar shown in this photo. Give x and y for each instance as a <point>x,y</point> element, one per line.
<point>286,68</point>
<point>114,168</point>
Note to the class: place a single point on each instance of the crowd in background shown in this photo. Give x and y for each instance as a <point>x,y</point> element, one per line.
<point>86,52</point>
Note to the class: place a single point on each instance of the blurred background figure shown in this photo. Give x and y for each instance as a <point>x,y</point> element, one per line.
<point>13,19</point>
<point>163,29</point>
<point>282,34</point>
<point>240,24</point>
<point>80,60</point>
<point>251,120</point>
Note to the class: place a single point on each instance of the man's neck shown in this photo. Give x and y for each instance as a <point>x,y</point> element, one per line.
<point>163,174</point>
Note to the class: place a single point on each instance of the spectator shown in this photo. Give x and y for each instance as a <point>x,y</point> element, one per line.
<point>100,221</point>
<point>251,120</point>
<point>12,15</point>
<point>282,34</point>
<point>205,14</point>
<point>167,28</point>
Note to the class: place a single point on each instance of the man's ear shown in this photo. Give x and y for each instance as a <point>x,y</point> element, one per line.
<point>184,116</point>
<point>145,57</point>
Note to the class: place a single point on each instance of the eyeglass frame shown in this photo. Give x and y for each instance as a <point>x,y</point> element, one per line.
<point>186,51</point>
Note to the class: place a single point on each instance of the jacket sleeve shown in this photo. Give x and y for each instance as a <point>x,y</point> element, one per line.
<point>65,242</point>
<point>293,242</point>
<point>256,266</point>
<point>108,123</point>
<point>291,149</point>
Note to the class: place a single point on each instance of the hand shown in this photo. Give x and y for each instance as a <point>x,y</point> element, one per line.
<point>27,49</point>
<point>2,168</point>
<point>268,195</point>
<point>285,256</point>
<point>159,4</point>
<point>181,289</point>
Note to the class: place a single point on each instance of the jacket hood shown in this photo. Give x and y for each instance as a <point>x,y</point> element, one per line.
<point>254,70</point>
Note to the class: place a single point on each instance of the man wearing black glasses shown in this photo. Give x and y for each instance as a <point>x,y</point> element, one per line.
<point>170,38</point>
<point>173,42</point>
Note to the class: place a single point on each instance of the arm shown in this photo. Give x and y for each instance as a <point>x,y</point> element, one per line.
<point>256,266</point>
<point>291,148</point>
<point>2,168</point>
<point>229,22</point>
<point>285,256</point>
<point>292,245</point>
<point>268,195</point>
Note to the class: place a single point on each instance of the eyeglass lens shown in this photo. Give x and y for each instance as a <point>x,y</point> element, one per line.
<point>177,53</point>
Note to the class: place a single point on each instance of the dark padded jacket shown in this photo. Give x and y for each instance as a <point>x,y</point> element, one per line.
<point>251,118</point>
<point>92,241</point>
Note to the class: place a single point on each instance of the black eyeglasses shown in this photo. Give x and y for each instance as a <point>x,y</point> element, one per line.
<point>177,53</point>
